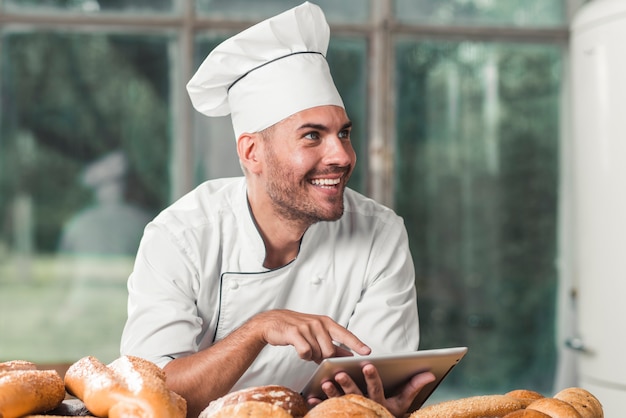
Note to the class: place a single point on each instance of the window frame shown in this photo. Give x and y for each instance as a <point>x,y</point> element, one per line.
<point>380,33</point>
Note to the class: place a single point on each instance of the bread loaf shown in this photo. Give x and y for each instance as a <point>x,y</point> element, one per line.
<point>281,396</point>
<point>128,387</point>
<point>25,390</point>
<point>249,409</point>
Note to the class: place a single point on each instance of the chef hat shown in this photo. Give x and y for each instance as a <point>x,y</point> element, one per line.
<point>268,72</point>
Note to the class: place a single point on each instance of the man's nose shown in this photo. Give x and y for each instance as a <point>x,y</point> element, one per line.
<point>338,152</point>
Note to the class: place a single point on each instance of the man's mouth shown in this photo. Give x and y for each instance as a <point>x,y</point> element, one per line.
<point>329,183</point>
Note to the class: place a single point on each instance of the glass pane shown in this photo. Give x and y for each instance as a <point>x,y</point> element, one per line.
<point>83,167</point>
<point>335,11</point>
<point>215,151</point>
<point>91,5</point>
<point>521,13</point>
<point>476,181</point>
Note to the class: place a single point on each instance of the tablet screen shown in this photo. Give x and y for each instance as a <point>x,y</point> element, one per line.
<point>395,371</point>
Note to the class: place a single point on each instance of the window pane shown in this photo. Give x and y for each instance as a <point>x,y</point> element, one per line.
<point>91,5</point>
<point>83,166</point>
<point>476,181</point>
<point>335,11</point>
<point>215,151</point>
<point>521,13</point>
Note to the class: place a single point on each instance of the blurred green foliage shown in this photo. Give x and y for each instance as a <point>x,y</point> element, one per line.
<point>477,182</point>
<point>67,100</point>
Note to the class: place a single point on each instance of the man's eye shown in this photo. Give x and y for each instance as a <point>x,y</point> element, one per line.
<point>312,135</point>
<point>344,134</point>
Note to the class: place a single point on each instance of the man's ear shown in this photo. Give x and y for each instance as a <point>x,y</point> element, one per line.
<point>249,149</point>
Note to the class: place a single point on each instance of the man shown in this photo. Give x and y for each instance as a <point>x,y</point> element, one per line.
<point>252,281</point>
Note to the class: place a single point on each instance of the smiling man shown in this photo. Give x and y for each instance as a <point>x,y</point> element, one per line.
<point>253,281</point>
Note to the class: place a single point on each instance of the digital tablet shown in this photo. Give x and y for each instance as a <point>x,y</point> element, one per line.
<point>395,371</point>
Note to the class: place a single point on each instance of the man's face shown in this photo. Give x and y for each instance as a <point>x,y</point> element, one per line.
<point>308,161</point>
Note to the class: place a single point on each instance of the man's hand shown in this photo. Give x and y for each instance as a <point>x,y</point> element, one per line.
<point>314,337</point>
<point>397,405</point>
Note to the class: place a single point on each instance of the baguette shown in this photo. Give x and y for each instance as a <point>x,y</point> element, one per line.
<point>482,406</point>
<point>526,413</point>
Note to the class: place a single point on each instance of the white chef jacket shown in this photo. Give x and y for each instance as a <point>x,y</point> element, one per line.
<point>199,275</point>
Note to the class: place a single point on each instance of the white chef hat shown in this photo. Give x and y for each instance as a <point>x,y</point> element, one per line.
<point>268,72</point>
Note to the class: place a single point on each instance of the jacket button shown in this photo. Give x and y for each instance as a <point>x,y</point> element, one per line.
<point>234,285</point>
<point>316,280</point>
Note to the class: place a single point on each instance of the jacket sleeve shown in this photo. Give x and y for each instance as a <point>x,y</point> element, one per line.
<point>386,316</point>
<point>163,322</point>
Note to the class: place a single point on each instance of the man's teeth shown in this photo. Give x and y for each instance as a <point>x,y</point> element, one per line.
<point>326,182</point>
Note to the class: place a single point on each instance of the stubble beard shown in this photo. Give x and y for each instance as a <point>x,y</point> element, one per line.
<point>292,203</point>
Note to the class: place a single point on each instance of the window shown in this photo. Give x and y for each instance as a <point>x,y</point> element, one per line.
<point>456,110</point>
<point>476,180</point>
<point>83,160</point>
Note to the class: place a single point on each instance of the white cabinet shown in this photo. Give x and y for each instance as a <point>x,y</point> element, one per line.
<point>598,58</point>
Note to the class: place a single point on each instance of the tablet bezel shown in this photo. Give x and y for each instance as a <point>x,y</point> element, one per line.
<point>395,370</point>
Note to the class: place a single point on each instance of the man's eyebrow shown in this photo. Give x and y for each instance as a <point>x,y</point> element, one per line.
<point>320,127</point>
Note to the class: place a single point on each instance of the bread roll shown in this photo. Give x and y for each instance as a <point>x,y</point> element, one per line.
<point>473,407</point>
<point>526,397</point>
<point>554,408</point>
<point>281,396</point>
<point>340,407</point>
<point>128,387</point>
<point>24,392</point>
<point>587,405</point>
<point>380,410</point>
<point>249,409</point>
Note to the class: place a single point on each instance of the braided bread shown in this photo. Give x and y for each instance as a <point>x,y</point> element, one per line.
<point>128,387</point>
